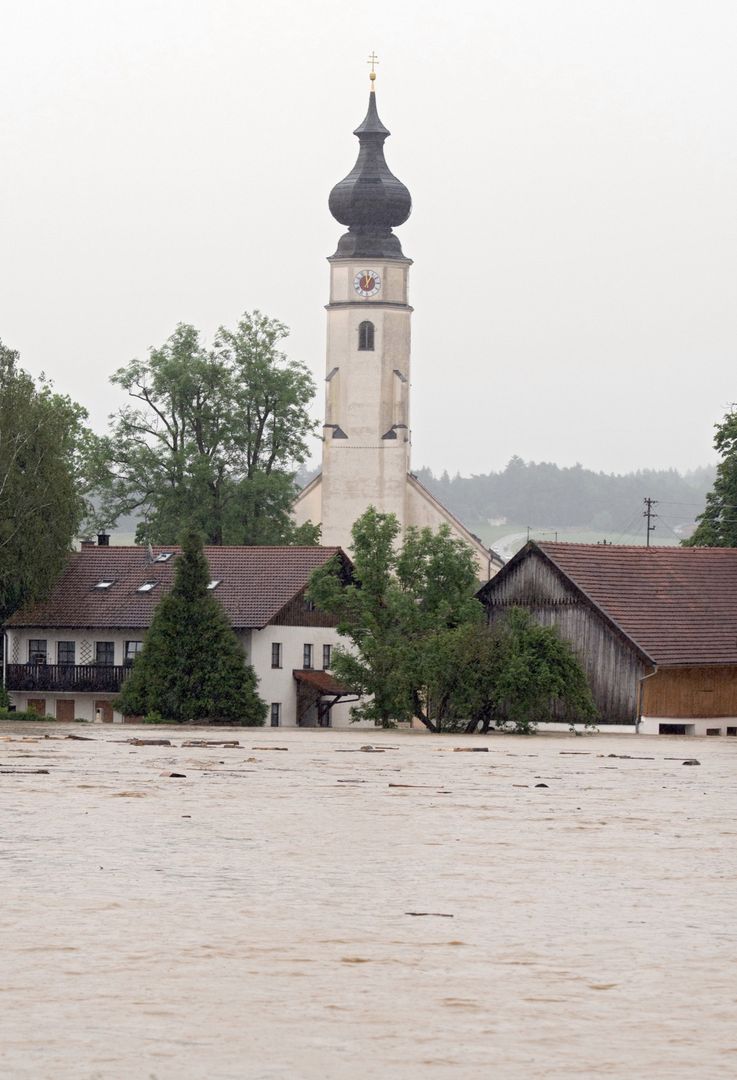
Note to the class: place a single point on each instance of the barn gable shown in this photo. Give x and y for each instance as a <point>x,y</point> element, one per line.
<point>613,663</point>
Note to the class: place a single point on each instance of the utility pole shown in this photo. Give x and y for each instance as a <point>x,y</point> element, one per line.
<point>649,514</point>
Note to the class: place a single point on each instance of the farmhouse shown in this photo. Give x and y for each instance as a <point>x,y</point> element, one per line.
<point>654,628</point>
<point>68,655</point>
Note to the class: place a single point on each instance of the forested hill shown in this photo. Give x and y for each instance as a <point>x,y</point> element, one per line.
<point>542,494</point>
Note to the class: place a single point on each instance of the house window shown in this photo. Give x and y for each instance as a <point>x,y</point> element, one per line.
<point>105,652</point>
<point>307,656</point>
<point>163,556</point>
<point>147,586</point>
<point>37,651</point>
<point>66,652</point>
<point>132,649</point>
<point>327,653</point>
<point>213,584</point>
<point>275,714</point>
<point>276,654</point>
<point>105,583</point>
<point>366,337</point>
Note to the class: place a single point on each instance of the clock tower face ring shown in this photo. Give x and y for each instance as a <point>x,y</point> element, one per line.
<point>367,283</point>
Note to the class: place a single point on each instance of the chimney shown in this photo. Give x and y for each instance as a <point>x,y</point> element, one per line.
<point>87,543</point>
<point>103,539</point>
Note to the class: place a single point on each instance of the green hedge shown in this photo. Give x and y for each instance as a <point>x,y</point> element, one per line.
<point>30,715</point>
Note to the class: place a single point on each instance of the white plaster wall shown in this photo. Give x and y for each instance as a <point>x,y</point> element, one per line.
<point>695,725</point>
<point>355,479</point>
<point>84,704</point>
<point>308,504</point>
<point>394,274</point>
<point>423,511</point>
<point>279,684</point>
<point>274,684</point>
<point>364,469</point>
<point>18,642</point>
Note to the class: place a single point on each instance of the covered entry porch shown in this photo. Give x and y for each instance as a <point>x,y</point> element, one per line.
<point>317,692</point>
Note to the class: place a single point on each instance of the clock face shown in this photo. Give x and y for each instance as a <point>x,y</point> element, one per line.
<point>367,283</point>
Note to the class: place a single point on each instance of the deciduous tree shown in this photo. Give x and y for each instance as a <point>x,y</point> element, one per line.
<point>400,601</point>
<point>717,526</point>
<point>531,669</point>
<point>419,644</point>
<point>212,438</point>
<point>43,445</point>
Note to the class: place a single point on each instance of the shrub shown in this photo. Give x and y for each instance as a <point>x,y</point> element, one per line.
<point>31,714</point>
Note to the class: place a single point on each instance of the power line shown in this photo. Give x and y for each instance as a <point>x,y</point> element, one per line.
<point>628,526</point>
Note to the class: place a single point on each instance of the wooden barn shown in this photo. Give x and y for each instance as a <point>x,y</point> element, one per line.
<point>654,628</point>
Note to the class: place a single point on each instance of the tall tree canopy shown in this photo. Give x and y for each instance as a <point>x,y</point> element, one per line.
<point>192,666</point>
<point>717,526</point>
<point>420,646</point>
<point>212,438</point>
<point>43,445</point>
<point>400,601</point>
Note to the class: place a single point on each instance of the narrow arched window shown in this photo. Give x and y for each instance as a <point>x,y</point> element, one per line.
<point>366,337</point>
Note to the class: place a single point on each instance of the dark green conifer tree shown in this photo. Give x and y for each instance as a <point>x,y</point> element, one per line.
<point>192,665</point>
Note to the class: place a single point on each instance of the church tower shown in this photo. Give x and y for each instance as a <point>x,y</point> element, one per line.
<point>366,434</point>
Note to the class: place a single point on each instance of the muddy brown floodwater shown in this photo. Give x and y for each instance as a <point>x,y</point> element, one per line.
<point>252,919</point>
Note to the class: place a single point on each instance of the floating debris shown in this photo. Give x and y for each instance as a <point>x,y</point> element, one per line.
<point>211,742</point>
<point>430,914</point>
<point>24,772</point>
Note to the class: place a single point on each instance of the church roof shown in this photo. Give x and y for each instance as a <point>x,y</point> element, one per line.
<point>371,201</point>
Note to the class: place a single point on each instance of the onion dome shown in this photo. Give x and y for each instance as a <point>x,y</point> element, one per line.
<point>370,201</point>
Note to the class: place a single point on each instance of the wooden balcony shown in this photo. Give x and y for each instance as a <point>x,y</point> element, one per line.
<point>66,678</point>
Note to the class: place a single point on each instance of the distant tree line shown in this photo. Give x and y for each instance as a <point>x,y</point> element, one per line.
<point>541,493</point>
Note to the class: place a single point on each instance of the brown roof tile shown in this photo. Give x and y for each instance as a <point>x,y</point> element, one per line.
<point>679,605</point>
<point>255,584</point>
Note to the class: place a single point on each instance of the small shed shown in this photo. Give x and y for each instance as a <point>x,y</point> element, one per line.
<point>655,629</point>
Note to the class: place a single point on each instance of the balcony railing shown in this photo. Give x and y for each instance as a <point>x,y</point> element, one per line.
<point>84,678</point>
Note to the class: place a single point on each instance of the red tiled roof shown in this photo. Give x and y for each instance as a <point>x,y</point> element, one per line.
<point>679,605</point>
<point>255,584</point>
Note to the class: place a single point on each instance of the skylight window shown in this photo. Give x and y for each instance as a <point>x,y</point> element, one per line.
<point>147,586</point>
<point>214,583</point>
<point>104,584</point>
<point>164,556</point>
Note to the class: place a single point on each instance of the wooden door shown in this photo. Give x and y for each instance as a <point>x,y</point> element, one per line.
<point>65,710</point>
<point>106,711</point>
<point>37,705</point>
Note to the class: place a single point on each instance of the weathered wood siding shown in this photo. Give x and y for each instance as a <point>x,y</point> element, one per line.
<point>297,613</point>
<point>612,667</point>
<point>691,692</point>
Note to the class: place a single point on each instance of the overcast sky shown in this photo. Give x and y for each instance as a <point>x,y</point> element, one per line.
<point>573,166</point>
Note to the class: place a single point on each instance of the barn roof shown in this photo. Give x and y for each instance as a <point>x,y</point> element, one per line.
<point>678,605</point>
<point>253,585</point>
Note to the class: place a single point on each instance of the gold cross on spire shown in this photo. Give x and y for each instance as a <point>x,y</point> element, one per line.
<point>373,60</point>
